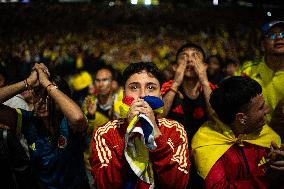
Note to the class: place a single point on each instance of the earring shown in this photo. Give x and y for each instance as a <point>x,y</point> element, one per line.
<point>243,121</point>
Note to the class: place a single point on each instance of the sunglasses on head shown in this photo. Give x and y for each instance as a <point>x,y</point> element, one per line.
<point>273,36</point>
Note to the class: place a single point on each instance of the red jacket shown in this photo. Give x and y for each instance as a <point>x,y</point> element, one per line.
<point>170,159</point>
<point>232,172</point>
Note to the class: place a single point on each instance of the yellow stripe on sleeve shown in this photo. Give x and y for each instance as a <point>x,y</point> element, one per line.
<point>19,121</point>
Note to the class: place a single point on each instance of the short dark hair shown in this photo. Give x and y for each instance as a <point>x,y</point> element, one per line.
<point>190,46</point>
<point>150,67</point>
<point>217,56</point>
<point>106,67</point>
<point>229,61</point>
<point>232,96</point>
<point>117,76</point>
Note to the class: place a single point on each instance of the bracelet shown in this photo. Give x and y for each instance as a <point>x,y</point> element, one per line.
<point>177,92</point>
<point>48,86</point>
<point>51,88</point>
<point>27,86</point>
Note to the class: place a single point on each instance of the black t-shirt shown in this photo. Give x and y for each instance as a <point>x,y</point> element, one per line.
<point>191,113</point>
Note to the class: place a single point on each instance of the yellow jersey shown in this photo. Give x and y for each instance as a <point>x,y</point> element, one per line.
<point>272,83</point>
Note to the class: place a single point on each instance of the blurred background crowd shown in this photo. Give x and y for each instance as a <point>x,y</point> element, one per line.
<point>72,37</point>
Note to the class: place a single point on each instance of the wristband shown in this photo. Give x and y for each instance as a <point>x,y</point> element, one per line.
<point>51,88</point>
<point>48,86</point>
<point>177,92</point>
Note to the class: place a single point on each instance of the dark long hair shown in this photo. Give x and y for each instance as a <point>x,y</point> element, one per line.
<point>54,115</point>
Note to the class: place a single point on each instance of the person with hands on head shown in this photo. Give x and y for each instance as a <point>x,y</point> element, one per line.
<point>154,156</point>
<point>53,130</point>
<point>187,96</point>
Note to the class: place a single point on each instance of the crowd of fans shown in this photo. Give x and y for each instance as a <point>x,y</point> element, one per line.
<point>121,35</point>
<point>93,48</point>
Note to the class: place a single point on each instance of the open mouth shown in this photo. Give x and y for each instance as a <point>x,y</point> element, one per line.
<point>189,68</point>
<point>279,45</point>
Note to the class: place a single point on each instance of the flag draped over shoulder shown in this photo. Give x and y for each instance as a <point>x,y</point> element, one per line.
<point>214,138</point>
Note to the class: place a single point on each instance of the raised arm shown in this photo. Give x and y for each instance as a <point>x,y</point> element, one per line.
<point>200,68</point>
<point>168,98</point>
<point>68,107</point>
<point>8,116</point>
<point>9,91</point>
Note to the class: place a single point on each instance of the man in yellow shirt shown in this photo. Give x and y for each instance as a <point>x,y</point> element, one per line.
<point>269,71</point>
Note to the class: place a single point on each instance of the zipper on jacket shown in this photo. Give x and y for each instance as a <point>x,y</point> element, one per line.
<point>246,161</point>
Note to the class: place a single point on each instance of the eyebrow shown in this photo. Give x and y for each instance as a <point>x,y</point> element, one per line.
<point>192,49</point>
<point>137,83</point>
<point>134,83</point>
<point>104,78</point>
<point>183,53</point>
<point>151,83</point>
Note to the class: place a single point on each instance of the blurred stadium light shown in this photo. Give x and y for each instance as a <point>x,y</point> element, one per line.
<point>215,2</point>
<point>74,0</point>
<point>134,2</point>
<point>202,3</point>
<point>144,2</point>
<point>147,2</point>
